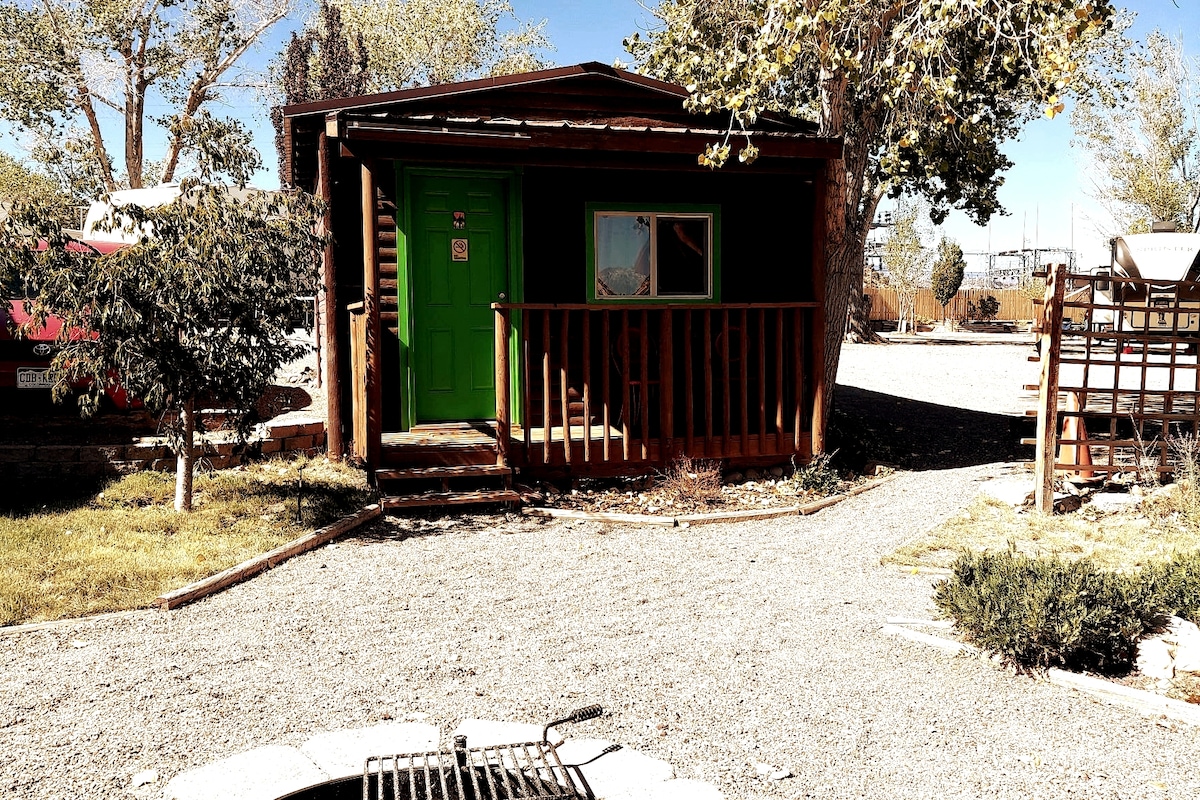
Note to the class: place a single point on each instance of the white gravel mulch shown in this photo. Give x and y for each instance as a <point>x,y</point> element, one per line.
<point>716,648</point>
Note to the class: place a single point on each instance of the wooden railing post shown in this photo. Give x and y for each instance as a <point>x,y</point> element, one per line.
<point>373,373</point>
<point>503,399</point>
<point>1047,419</point>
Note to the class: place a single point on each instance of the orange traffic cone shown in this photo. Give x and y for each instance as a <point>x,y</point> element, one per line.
<point>1079,455</point>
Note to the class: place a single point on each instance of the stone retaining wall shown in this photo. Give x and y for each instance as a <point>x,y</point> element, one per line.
<point>219,451</point>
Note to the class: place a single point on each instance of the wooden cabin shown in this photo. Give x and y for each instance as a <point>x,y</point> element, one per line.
<point>533,273</point>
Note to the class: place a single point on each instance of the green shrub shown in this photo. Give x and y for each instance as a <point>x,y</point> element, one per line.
<point>818,476</point>
<point>1176,584</point>
<point>1040,613</point>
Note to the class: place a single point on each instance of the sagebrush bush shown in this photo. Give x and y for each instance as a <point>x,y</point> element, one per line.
<point>818,475</point>
<point>1176,584</point>
<point>1047,612</point>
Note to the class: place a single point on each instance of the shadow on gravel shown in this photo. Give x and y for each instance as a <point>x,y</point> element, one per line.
<point>869,426</point>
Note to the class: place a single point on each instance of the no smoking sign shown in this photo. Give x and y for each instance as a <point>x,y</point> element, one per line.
<point>458,249</point>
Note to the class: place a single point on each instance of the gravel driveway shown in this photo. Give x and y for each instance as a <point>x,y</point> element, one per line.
<point>716,648</point>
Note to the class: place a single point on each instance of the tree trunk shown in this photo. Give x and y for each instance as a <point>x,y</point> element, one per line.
<point>184,459</point>
<point>135,106</point>
<point>845,237</point>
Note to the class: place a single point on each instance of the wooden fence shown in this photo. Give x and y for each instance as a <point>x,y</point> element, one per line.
<point>1013,304</point>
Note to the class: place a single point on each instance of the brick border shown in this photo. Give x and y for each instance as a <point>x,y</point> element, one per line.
<point>40,462</point>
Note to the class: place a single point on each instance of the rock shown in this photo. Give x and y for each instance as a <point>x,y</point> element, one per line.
<point>1161,493</point>
<point>1154,658</point>
<point>259,774</point>
<point>1112,502</point>
<point>752,475</point>
<point>777,472</point>
<point>734,477</point>
<point>142,778</point>
<point>340,754</point>
<point>1187,645</point>
<point>1066,503</point>
<point>1015,490</point>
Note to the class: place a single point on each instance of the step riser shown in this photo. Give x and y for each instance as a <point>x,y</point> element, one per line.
<point>401,458</point>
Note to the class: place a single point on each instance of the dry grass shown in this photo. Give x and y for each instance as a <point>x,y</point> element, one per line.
<point>689,482</point>
<point>1118,541</point>
<point>126,545</point>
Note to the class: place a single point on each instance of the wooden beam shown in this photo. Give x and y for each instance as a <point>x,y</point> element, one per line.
<point>817,336</point>
<point>1047,425</point>
<point>503,406</point>
<point>327,297</point>
<point>374,351</point>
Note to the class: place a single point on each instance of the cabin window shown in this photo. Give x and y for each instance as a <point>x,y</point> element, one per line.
<point>645,254</point>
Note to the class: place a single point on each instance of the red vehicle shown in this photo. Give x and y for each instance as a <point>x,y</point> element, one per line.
<point>24,361</point>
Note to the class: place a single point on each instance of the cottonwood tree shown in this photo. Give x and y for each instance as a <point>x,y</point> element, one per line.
<point>949,269</point>
<point>922,92</point>
<point>906,258</point>
<point>69,62</point>
<point>426,42</point>
<point>200,307</point>
<point>19,183</point>
<point>1140,133</point>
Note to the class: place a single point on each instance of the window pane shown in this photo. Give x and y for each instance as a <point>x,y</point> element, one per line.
<point>622,255</point>
<point>683,256</point>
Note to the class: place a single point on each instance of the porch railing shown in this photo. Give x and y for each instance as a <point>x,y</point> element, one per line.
<point>601,386</point>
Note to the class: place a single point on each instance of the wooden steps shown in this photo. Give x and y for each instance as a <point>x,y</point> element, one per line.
<point>398,502</point>
<point>443,465</point>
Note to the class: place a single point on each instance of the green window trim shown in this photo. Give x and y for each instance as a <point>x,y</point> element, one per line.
<point>652,212</point>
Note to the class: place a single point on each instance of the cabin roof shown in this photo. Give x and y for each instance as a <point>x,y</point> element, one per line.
<point>588,106</point>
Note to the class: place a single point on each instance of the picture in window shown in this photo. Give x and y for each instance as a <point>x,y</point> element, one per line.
<point>653,255</point>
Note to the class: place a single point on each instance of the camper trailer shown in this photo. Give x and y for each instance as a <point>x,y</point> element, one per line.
<point>1157,263</point>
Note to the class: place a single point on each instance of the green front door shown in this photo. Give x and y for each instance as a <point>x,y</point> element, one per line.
<point>459,268</point>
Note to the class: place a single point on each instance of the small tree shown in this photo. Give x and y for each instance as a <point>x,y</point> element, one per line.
<point>948,272</point>
<point>905,257</point>
<point>199,307</point>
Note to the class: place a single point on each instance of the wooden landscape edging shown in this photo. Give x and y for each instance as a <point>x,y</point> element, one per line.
<point>686,520</point>
<point>271,558</point>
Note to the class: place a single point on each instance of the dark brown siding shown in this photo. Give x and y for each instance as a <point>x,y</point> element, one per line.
<point>766,228</point>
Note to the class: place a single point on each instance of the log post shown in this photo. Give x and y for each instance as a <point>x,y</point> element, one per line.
<point>327,294</point>
<point>1050,337</point>
<point>374,355</point>
<point>503,409</point>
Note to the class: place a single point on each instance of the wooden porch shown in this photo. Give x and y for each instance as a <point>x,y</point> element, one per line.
<point>604,389</point>
<point>637,386</point>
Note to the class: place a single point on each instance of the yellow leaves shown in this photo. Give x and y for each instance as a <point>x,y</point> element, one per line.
<point>714,156</point>
<point>1053,111</point>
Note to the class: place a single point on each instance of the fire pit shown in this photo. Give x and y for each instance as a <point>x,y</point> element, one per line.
<point>485,760</point>
<point>496,772</point>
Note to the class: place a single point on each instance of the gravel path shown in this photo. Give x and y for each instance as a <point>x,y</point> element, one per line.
<point>715,648</point>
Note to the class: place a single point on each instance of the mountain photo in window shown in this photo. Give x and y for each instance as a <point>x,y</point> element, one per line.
<point>622,255</point>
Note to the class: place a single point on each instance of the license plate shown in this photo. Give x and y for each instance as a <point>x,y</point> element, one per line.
<point>34,379</point>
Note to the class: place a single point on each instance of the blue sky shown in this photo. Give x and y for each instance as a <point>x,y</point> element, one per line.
<point>1046,192</point>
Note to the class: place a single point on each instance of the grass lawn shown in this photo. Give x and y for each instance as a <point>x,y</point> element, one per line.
<point>125,545</point>
<point>1159,527</point>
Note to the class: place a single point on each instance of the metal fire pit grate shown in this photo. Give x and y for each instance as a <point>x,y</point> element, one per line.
<point>497,772</point>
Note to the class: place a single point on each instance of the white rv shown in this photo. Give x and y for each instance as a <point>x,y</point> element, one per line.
<point>1149,258</point>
